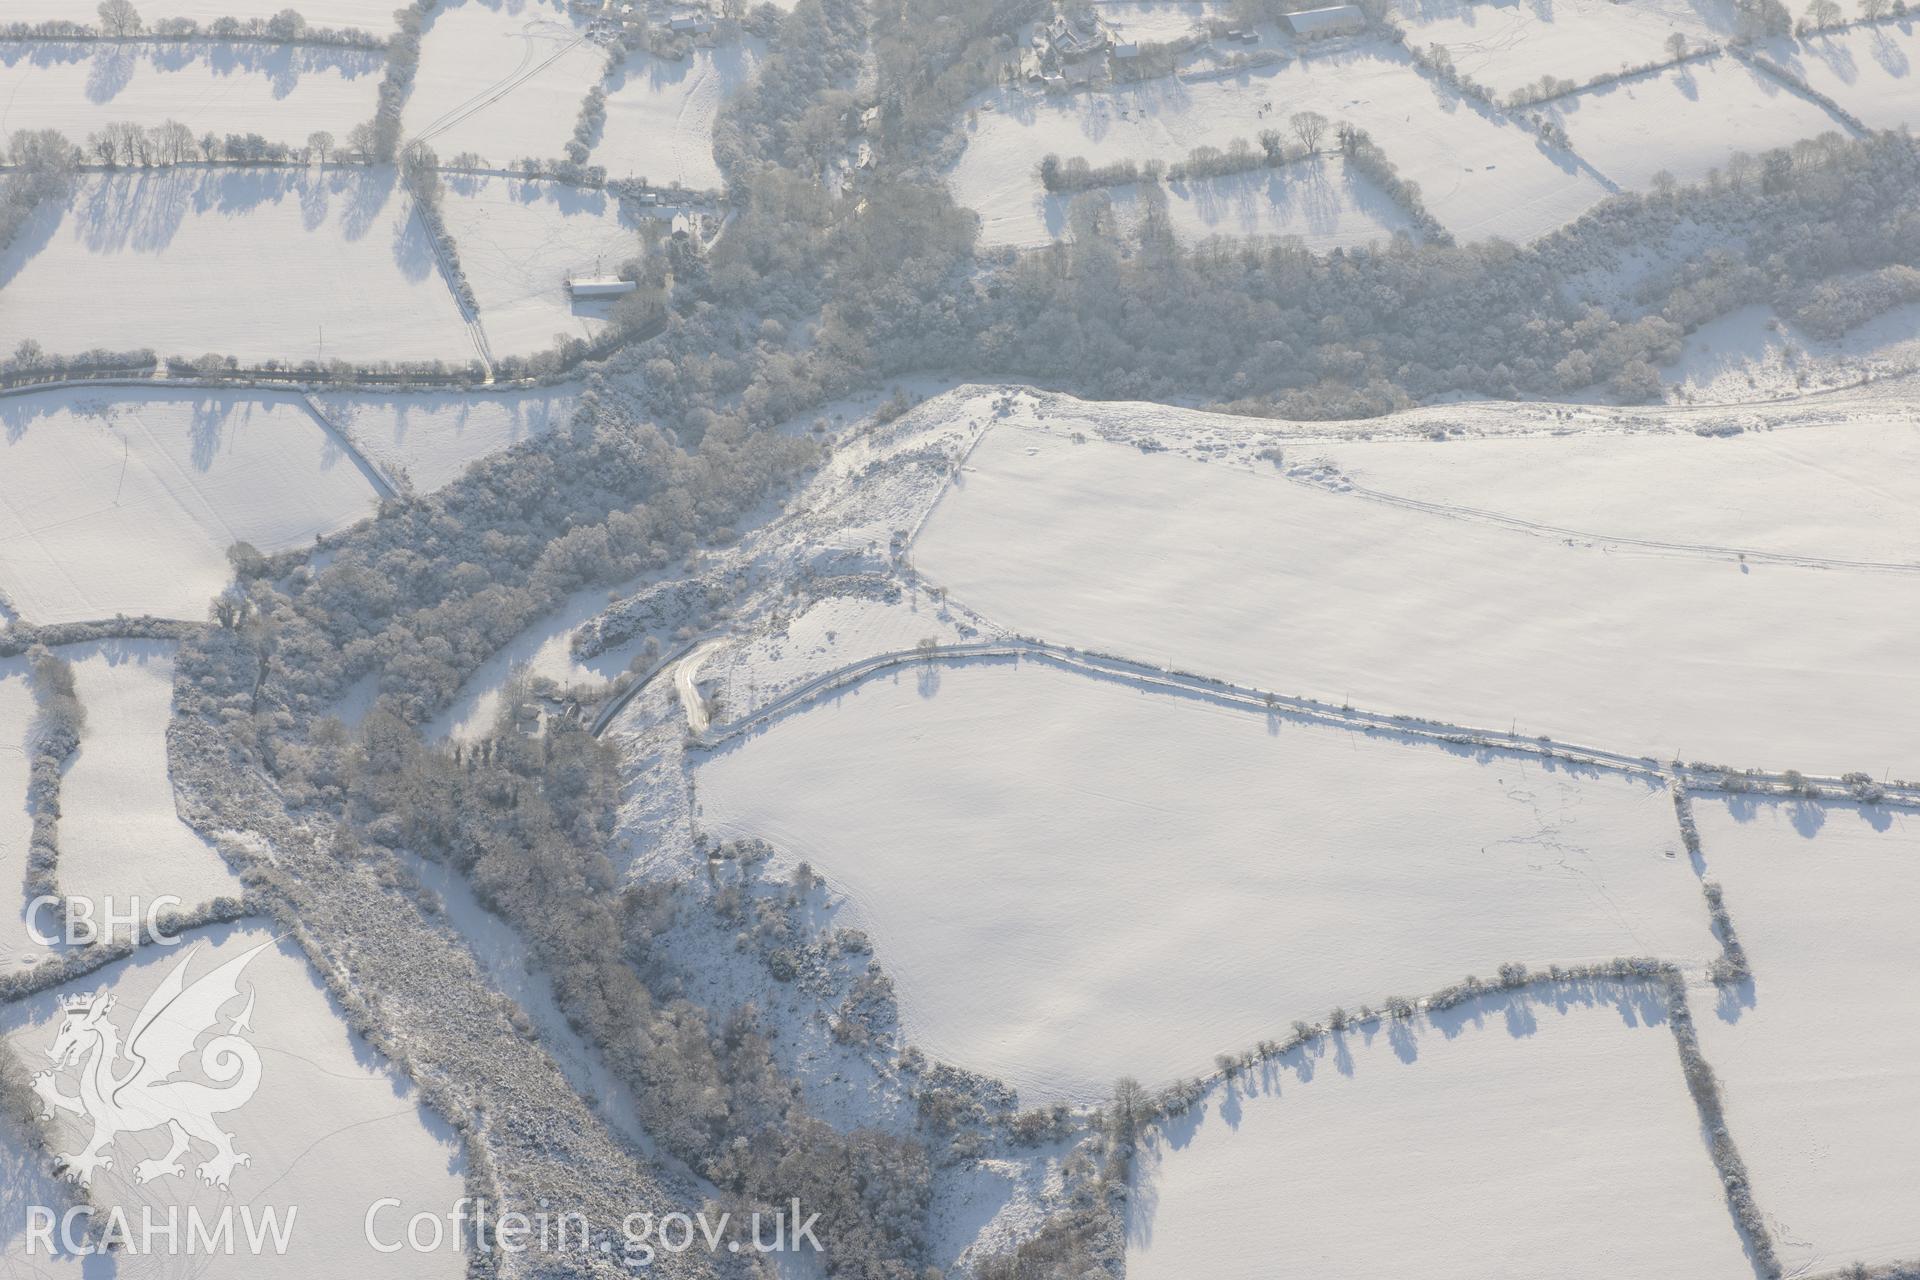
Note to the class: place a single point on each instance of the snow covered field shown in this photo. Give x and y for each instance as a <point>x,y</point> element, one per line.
<point>120,835</point>
<point>1510,44</point>
<point>1873,71</point>
<point>1153,21</point>
<point>281,93</point>
<point>520,241</point>
<point>330,1130</point>
<point>117,502</point>
<point>1305,591</point>
<point>660,114</point>
<point>1326,204</point>
<point>1854,485</point>
<point>254,263</point>
<point>1685,120</point>
<point>1071,879</point>
<point>1479,174</point>
<point>431,437</point>
<point>1515,1136</point>
<point>1819,1057</point>
<point>502,80</point>
<point>833,634</point>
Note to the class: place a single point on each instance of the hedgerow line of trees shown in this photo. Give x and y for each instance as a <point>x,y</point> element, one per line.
<point>24,634</point>
<point>558,363</point>
<point>1367,159</point>
<point>1683,776</point>
<point>1823,16</point>
<point>59,720</point>
<point>1730,966</point>
<point>120,21</point>
<point>1859,786</point>
<point>1437,59</point>
<point>1798,84</point>
<point>542,368</point>
<point>586,129</point>
<point>127,144</point>
<point>58,725</point>
<point>382,136</point>
<point>420,172</point>
<point>82,961</point>
<point>1089,1237</point>
<point>1861,1271</point>
<point>1134,1110</point>
<point>1240,156</point>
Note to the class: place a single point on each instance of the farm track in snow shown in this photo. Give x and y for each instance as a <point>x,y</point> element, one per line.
<point>1696,550</point>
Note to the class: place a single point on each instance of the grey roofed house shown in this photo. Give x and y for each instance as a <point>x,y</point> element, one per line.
<point>1332,20</point>
<point>1072,39</point>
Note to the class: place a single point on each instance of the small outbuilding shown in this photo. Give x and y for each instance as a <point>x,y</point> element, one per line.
<point>1339,19</point>
<point>591,287</point>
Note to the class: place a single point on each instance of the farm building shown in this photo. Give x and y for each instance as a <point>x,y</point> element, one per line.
<point>1333,20</point>
<point>590,287</point>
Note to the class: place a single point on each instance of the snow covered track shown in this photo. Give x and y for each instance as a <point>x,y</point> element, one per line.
<point>1748,555</point>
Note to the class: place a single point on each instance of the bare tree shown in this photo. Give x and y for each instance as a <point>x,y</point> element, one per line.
<point>124,143</point>
<point>1821,14</point>
<point>1874,10</point>
<point>119,18</point>
<point>420,169</point>
<point>287,25</point>
<point>1129,1109</point>
<point>319,145</point>
<point>1677,45</point>
<point>172,142</point>
<point>1310,127</point>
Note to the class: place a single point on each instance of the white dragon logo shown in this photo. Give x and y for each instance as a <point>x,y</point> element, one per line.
<point>144,1094</point>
